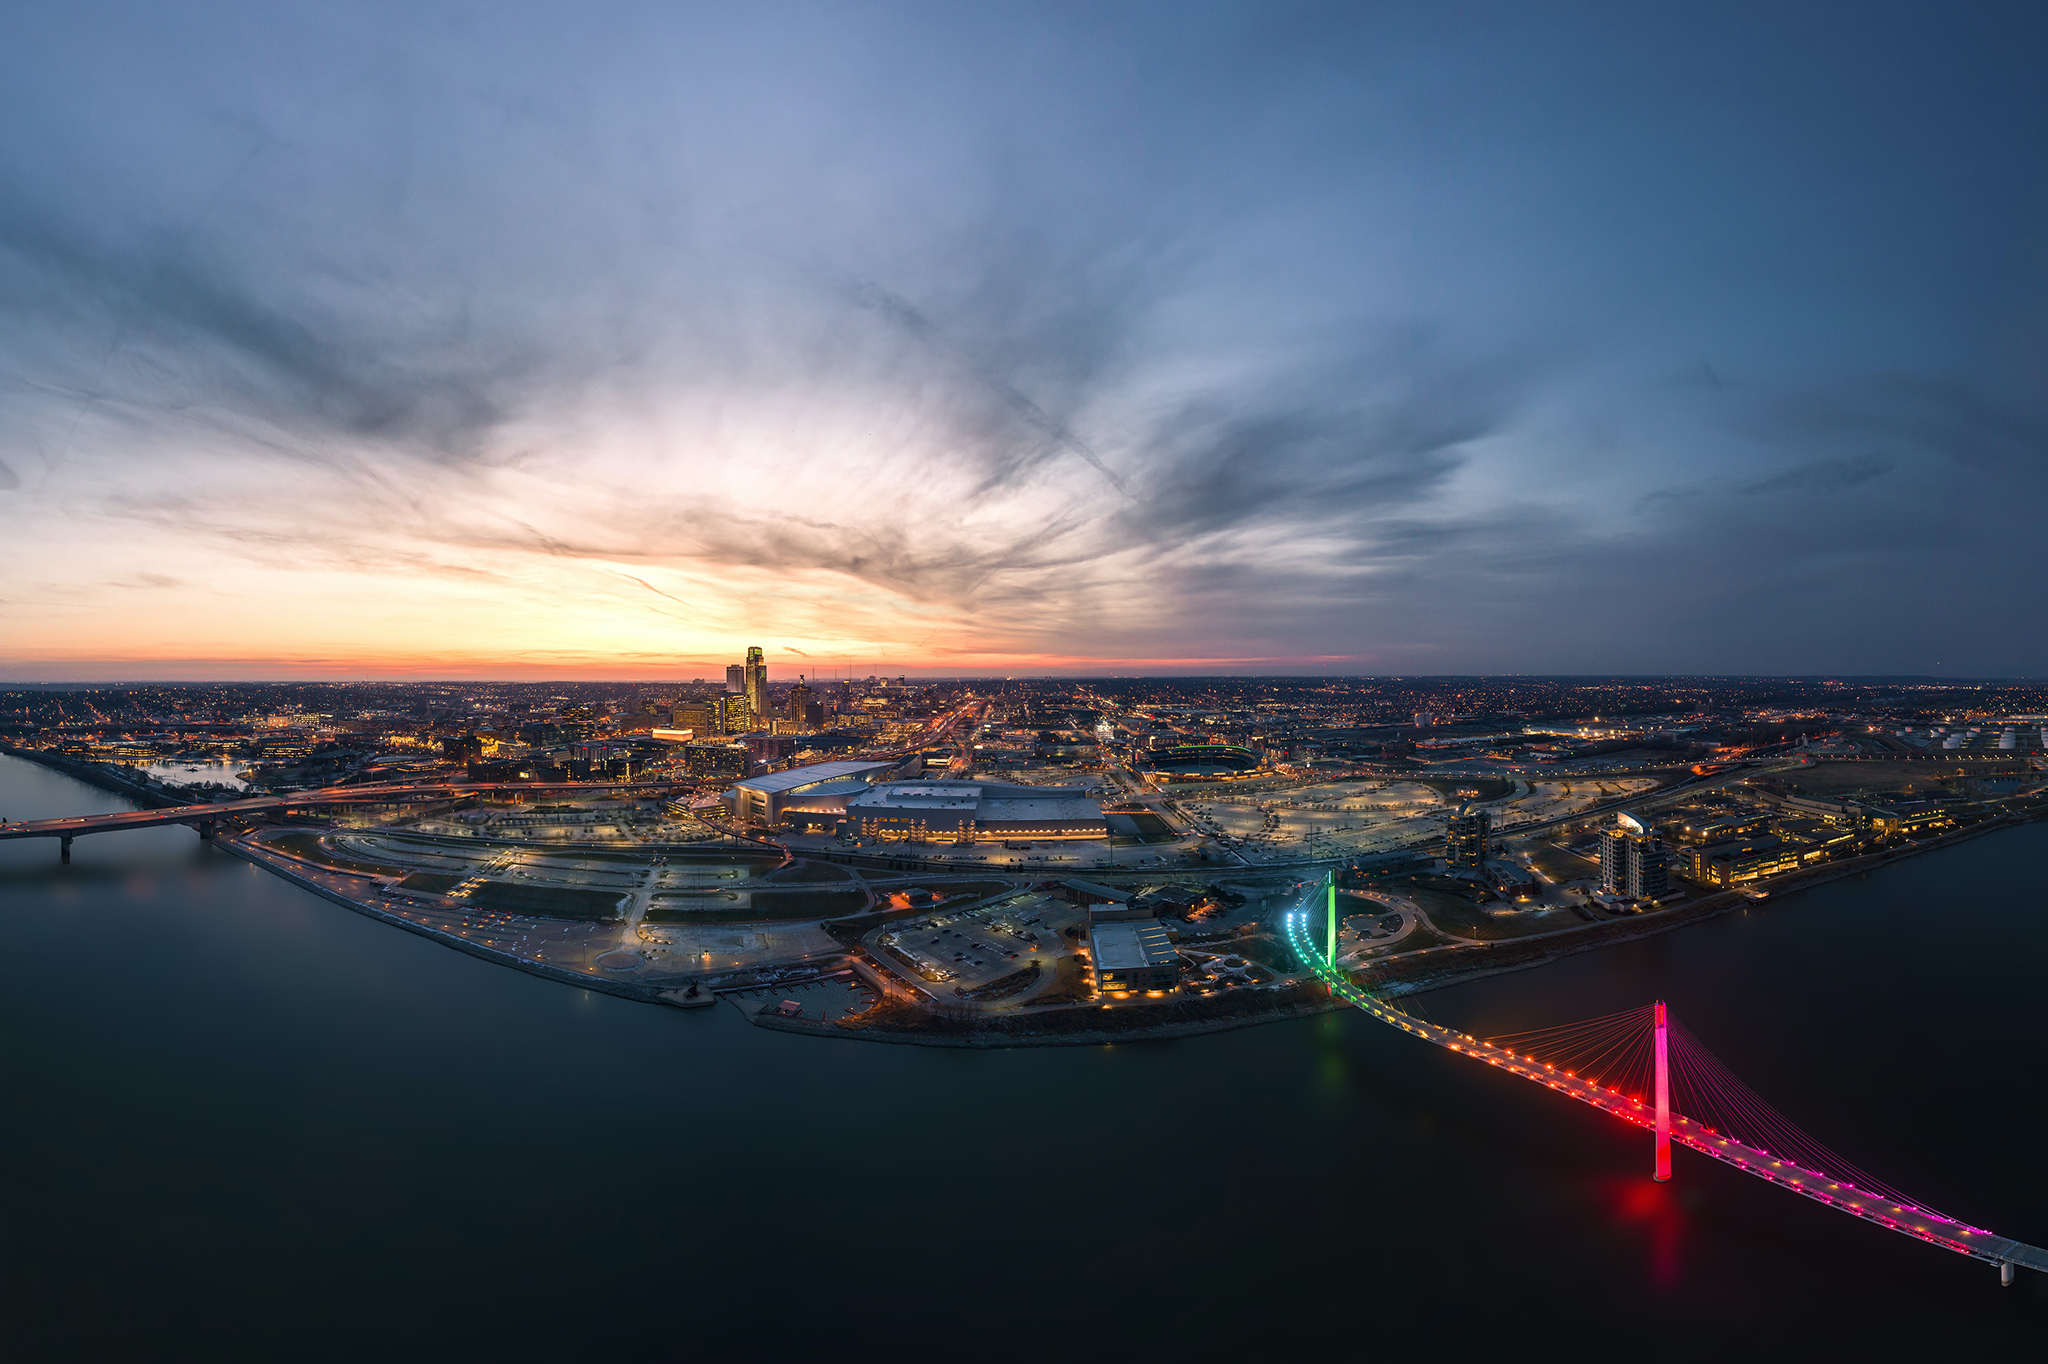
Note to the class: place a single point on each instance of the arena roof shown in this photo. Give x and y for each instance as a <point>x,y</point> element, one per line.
<point>796,777</point>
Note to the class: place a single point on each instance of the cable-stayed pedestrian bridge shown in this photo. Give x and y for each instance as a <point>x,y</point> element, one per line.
<point>1643,1067</point>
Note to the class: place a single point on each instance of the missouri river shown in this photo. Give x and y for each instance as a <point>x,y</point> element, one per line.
<point>238,1119</point>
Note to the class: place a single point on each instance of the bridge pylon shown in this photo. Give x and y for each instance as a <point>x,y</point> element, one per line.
<point>1332,880</point>
<point>1663,1098</point>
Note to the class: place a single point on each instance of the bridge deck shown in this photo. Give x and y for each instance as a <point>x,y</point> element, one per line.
<point>75,825</point>
<point>1904,1218</point>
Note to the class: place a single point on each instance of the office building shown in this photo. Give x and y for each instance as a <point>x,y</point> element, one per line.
<point>1745,859</point>
<point>755,677</point>
<point>735,678</point>
<point>801,706</point>
<point>716,758</point>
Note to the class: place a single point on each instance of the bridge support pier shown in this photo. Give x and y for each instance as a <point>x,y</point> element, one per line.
<point>64,848</point>
<point>2005,1274</point>
<point>1663,1099</point>
<point>206,830</point>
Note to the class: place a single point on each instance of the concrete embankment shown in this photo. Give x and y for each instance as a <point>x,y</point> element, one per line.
<point>282,867</point>
<point>986,1039</point>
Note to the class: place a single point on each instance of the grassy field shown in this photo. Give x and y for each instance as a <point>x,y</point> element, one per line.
<point>1826,779</point>
<point>807,872</point>
<point>769,905</point>
<point>433,882</point>
<point>553,902</point>
<point>309,847</point>
<point>1489,788</point>
<point>1559,865</point>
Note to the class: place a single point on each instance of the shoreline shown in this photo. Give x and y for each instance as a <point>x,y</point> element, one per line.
<point>1391,977</point>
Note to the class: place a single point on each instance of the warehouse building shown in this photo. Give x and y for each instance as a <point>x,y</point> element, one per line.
<point>1133,954</point>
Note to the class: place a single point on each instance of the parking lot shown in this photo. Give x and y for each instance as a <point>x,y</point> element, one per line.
<point>968,950</point>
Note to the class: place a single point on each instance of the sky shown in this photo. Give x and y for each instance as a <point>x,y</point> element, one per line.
<point>605,340</point>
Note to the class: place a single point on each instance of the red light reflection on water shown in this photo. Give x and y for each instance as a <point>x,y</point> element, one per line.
<point>1656,1210</point>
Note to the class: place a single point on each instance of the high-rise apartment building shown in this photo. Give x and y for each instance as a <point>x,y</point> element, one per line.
<point>1632,862</point>
<point>1465,840</point>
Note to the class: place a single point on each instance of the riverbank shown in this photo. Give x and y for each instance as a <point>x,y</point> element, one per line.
<point>308,879</point>
<point>1441,967</point>
<point>102,775</point>
<point>1411,973</point>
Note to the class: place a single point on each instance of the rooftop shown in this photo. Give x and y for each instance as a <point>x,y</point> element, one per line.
<point>797,777</point>
<point>1130,945</point>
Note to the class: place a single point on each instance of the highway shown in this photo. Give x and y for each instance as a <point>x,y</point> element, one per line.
<point>209,814</point>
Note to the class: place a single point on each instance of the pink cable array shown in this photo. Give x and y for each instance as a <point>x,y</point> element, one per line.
<point>1615,1051</point>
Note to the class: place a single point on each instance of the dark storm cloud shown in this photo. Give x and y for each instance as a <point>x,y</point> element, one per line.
<point>1056,434</point>
<point>1376,434</point>
<point>1941,415</point>
<point>1825,476</point>
<point>185,328</point>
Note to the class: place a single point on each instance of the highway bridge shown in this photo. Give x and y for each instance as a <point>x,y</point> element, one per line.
<point>1627,1065</point>
<point>206,817</point>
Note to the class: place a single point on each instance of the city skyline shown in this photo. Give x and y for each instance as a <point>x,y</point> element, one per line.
<point>1208,340</point>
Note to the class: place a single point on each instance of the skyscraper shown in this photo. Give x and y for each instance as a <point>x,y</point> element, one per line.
<point>735,678</point>
<point>756,688</point>
<point>799,709</point>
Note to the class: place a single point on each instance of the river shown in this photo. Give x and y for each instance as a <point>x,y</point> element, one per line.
<point>241,1120</point>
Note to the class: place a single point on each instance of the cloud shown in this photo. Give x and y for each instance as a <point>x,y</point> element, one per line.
<point>1825,476</point>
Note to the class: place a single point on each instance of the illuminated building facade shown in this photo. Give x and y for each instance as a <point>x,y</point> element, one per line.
<point>1132,955</point>
<point>1632,862</point>
<point>1465,840</point>
<point>970,811</point>
<point>756,688</point>
<point>716,759</point>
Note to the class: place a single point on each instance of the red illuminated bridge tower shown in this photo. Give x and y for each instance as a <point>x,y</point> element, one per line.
<point>1663,1098</point>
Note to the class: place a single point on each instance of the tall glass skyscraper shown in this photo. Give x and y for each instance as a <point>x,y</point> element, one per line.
<point>756,689</point>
